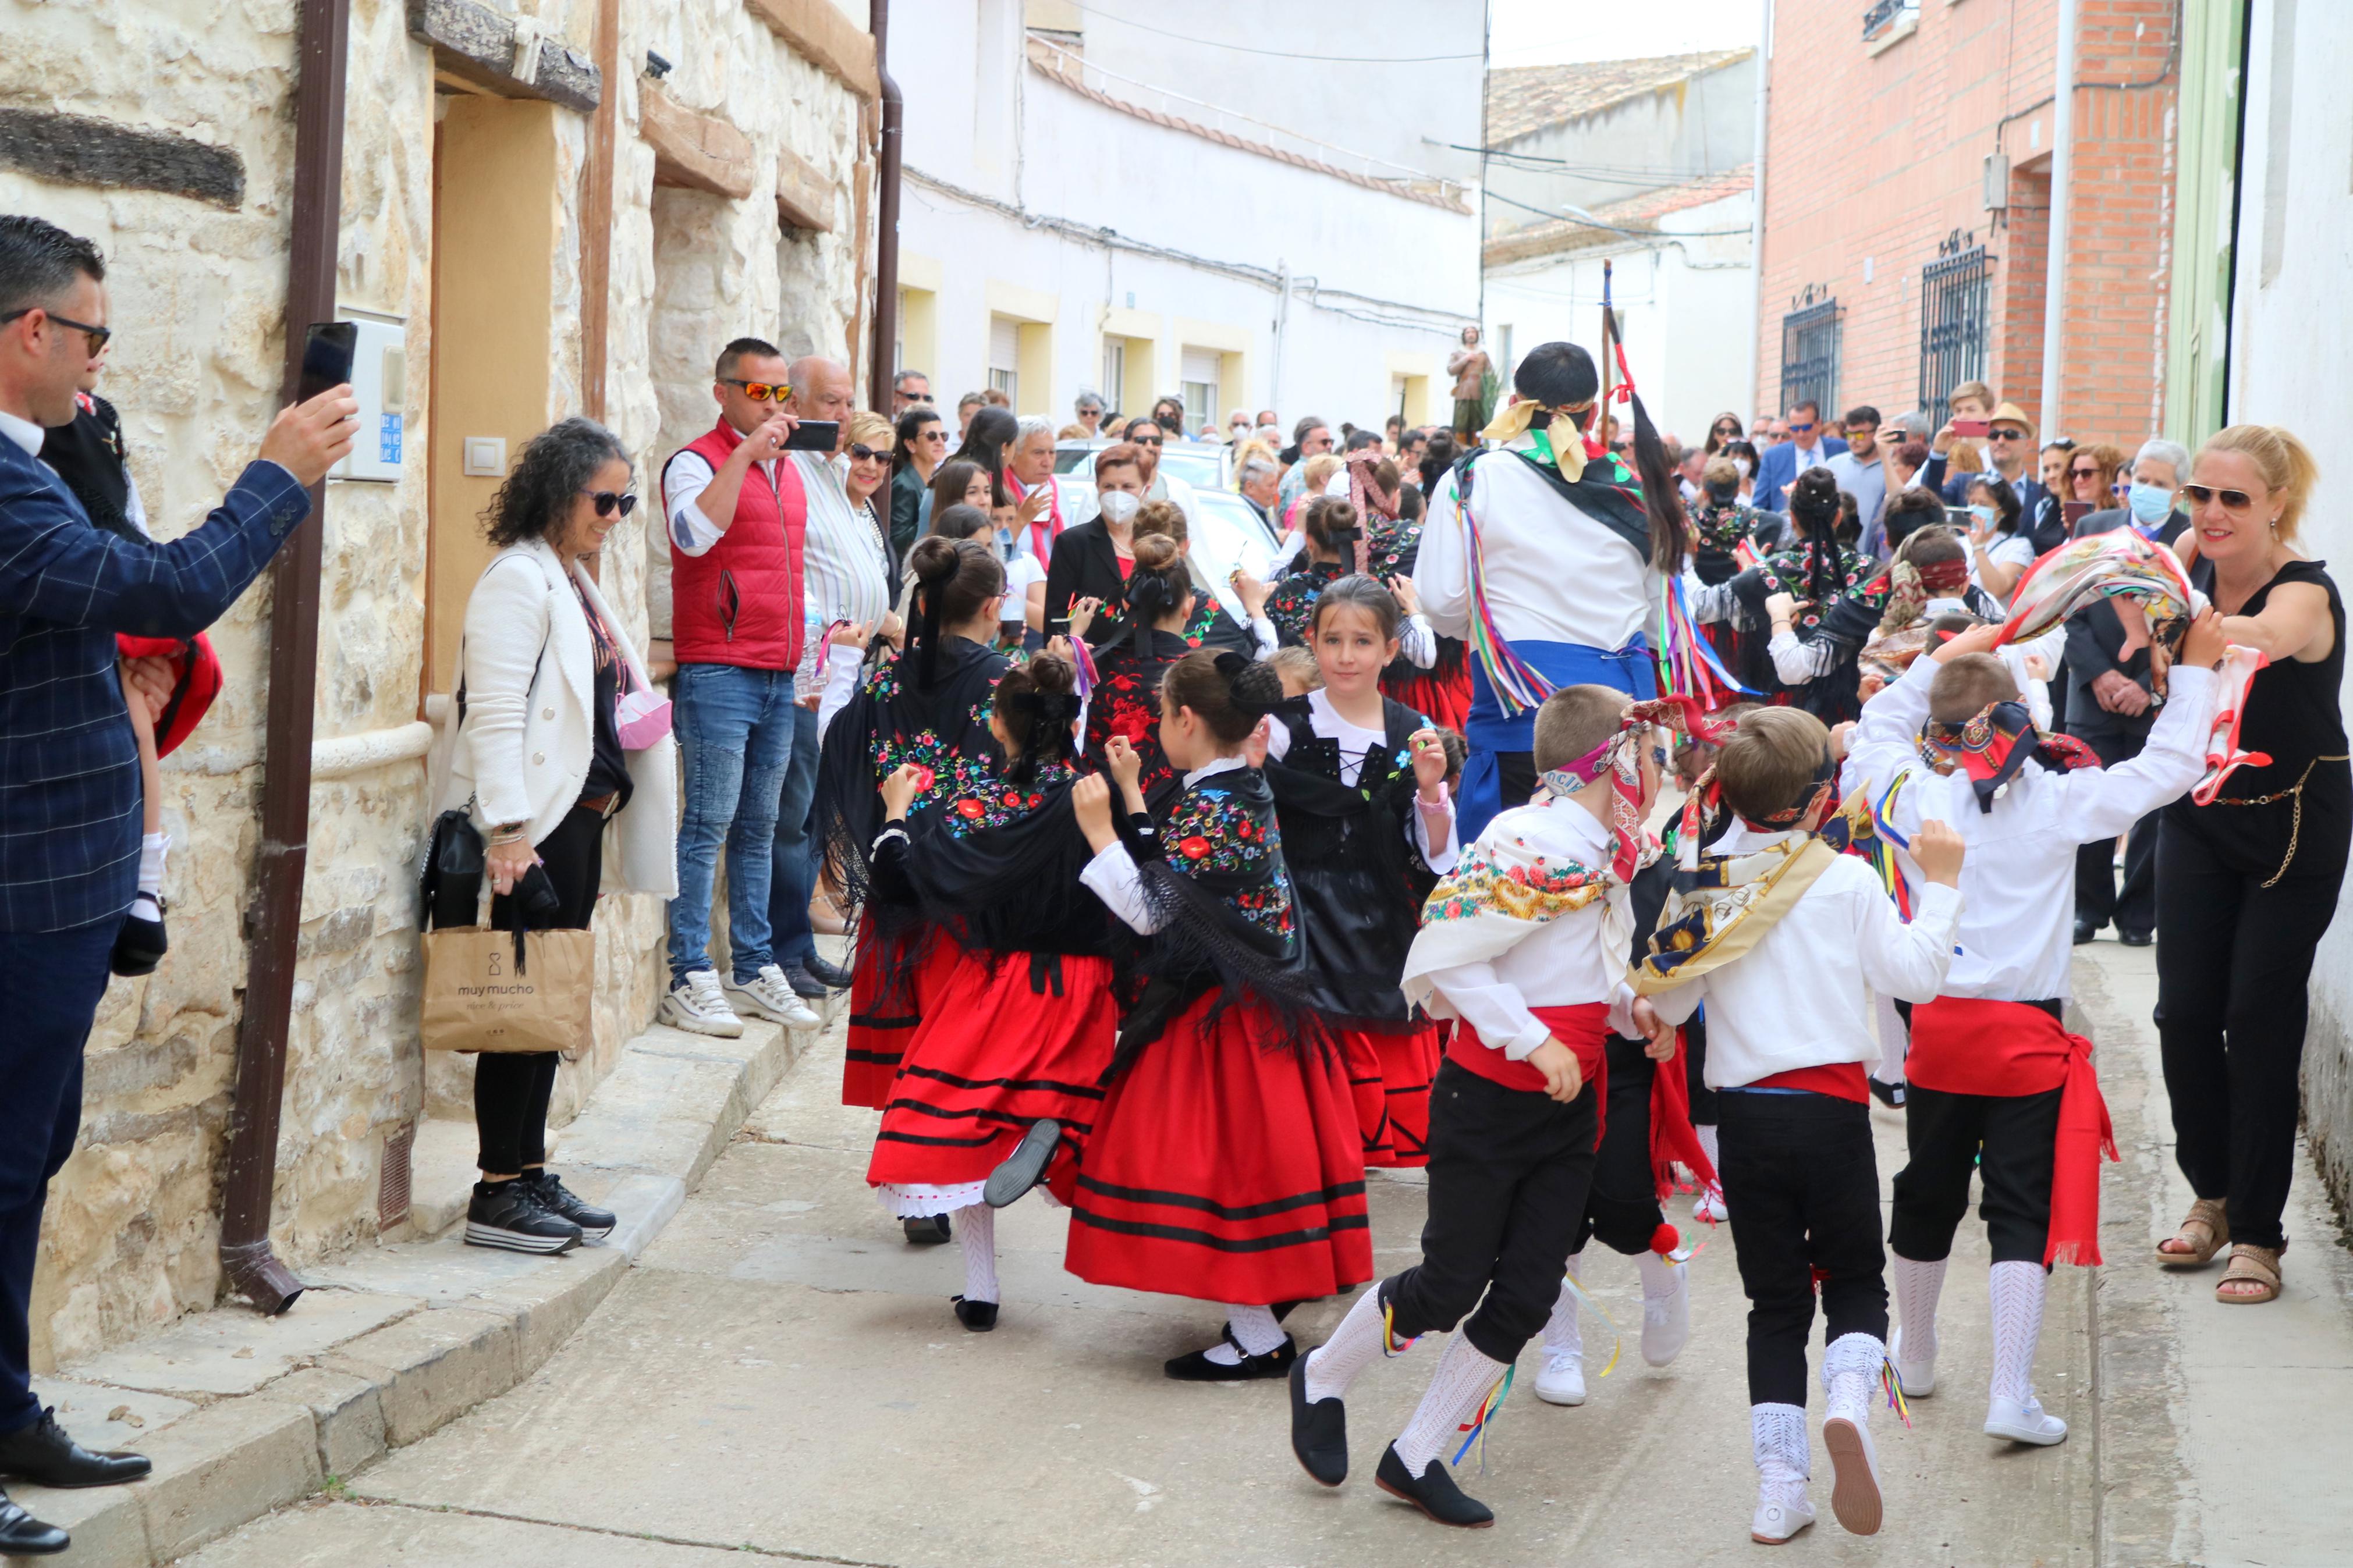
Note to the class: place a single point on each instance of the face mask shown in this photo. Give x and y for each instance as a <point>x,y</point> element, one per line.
<point>1742,464</point>
<point>2149,503</point>
<point>1984,514</point>
<point>1118,506</point>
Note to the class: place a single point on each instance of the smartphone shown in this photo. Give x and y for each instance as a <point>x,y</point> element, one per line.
<point>1974,430</point>
<point>327,352</point>
<point>2074,511</point>
<point>813,435</point>
<point>1960,517</point>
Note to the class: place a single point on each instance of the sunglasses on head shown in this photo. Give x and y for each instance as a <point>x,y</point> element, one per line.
<point>607,502</point>
<point>2232,500</point>
<point>760,391</point>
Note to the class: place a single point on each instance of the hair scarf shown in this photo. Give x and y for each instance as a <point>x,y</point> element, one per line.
<point>1987,747</point>
<point>1619,759</point>
<point>1516,419</point>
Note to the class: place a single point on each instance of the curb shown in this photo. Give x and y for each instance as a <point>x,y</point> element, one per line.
<point>243,1413</point>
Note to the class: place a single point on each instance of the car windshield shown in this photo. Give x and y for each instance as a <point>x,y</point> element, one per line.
<point>1075,458</point>
<point>1198,465</point>
<point>1226,534</point>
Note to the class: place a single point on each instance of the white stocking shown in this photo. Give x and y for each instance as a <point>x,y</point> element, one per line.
<point>1462,1381</point>
<point>1850,1366</point>
<point>2017,1291</point>
<point>1253,1328</point>
<point>1562,1334</point>
<point>1707,1143</point>
<point>1918,1284</point>
<point>1334,1366</point>
<point>1783,1453</point>
<point>975,1232</point>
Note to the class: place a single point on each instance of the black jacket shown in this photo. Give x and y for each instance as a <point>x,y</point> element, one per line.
<point>2095,640</point>
<point>1085,565</point>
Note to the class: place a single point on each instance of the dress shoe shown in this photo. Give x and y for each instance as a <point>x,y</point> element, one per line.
<point>979,1317</point>
<point>2136,937</point>
<point>140,945</point>
<point>42,1455</point>
<point>926,1229</point>
<point>1198,1368</point>
<point>833,976</point>
<point>2086,930</point>
<point>1434,1492</point>
<point>1319,1431</point>
<point>22,1535</point>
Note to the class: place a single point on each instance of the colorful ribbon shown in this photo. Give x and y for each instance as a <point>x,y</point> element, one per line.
<point>1477,1425</point>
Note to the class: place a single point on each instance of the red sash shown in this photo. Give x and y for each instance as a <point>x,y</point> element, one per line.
<point>1671,1136</point>
<point>1582,1028</point>
<point>1969,1046</point>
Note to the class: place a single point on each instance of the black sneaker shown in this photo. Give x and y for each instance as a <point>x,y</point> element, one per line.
<point>561,1201</point>
<point>1890,1095</point>
<point>1434,1493</point>
<point>1025,1167</point>
<point>507,1215</point>
<point>1198,1368</point>
<point>22,1535</point>
<point>1319,1431</point>
<point>979,1317</point>
<point>833,976</point>
<point>140,945</point>
<point>926,1229</point>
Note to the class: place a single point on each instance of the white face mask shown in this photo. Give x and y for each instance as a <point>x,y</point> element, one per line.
<point>1118,506</point>
<point>1742,464</point>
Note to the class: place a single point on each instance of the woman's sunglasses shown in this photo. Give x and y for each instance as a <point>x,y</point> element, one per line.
<point>607,503</point>
<point>939,435</point>
<point>760,391</point>
<point>861,451</point>
<point>2232,500</point>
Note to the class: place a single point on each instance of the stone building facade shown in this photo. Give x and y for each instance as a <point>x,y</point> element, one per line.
<point>496,162</point>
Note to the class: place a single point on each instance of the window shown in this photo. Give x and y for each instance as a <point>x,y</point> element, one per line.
<point>1954,292</point>
<point>1114,374</point>
<point>1887,20</point>
<point>1005,357</point>
<point>1810,350</point>
<point>1504,362</point>
<point>1196,385</point>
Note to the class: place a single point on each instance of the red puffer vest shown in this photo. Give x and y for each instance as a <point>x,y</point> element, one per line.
<point>740,602</point>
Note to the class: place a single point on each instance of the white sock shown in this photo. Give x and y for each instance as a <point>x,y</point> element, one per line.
<point>1661,1278</point>
<point>1918,1284</point>
<point>1708,1142</point>
<point>1256,1330</point>
<point>147,905</point>
<point>1334,1366</point>
<point>2017,1291</point>
<point>1850,1366</point>
<point>1784,1454</point>
<point>1462,1381</point>
<point>1562,1336</point>
<point>975,1232</point>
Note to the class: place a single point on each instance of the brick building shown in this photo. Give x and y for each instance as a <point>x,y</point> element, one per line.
<point>1906,197</point>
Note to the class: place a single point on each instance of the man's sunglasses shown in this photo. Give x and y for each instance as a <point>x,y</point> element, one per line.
<point>2232,500</point>
<point>1802,427</point>
<point>98,336</point>
<point>1149,440</point>
<point>2006,436</point>
<point>607,503</point>
<point>759,391</point>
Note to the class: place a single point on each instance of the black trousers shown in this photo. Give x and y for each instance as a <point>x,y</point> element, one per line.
<point>2233,960</point>
<point>1508,1173</point>
<point>2096,898</point>
<point>1702,1099</point>
<point>1621,1209</point>
<point>511,1088</point>
<point>1803,1184</point>
<point>2008,1140</point>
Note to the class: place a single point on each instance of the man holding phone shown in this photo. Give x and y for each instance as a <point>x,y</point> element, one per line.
<point>69,818</point>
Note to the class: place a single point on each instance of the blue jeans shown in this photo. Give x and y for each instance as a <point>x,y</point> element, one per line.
<point>736,734</point>
<point>793,875</point>
<point>50,983</point>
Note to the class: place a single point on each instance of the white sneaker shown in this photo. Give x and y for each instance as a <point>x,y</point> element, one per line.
<point>1855,1470</point>
<point>694,1003</point>
<point>1709,1209</point>
<point>1666,1319</point>
<point>1781,1511</point>
<point>1562,1381</point>
<point>1917,1378</point>
<point>769,994</point>
<point>2024,1421</point>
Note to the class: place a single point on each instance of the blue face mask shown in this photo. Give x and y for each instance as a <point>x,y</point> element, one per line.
<point>2149,503</point>
<point>1983,513</point>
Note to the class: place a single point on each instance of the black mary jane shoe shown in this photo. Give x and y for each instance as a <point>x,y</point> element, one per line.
<point>42,1455</point>
<point>979,1317</point>
<point>1198,1368</point>
<point>139,946</point>
<point>1890,1095</point>
<point>22,1535</point>
<point>926,1229</point>
<point>1025,1167</point>
<point>1319,1431</point>
<point>1434,1493</point>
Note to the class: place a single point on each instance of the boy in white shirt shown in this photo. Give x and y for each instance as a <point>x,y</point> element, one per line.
<point>1784,937</point>
<point>1524,944</point>
<point>1997,1085</point>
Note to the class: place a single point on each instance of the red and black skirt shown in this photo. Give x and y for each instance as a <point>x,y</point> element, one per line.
<point>1224,1165</point>
<point>1405,1065</point>
<point>883,1015</point>
<point>999,1046</point>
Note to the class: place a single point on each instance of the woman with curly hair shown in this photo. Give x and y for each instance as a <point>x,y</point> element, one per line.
<point>544,771</point>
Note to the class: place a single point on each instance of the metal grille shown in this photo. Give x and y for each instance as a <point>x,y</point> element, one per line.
<point>1881,19</point>
<point>1956,290</point>
<point>1811,334</point>
<point>393,1183</point>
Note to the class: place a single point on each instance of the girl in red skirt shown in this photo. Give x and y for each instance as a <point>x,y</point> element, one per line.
<point>1021,1014</point>
<point>1359,782</point>
<point>1226,1162</point>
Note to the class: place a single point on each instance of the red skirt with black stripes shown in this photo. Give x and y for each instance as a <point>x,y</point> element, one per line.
<point>994,1053</point>
<point>1402,1068</point>
<point>883,1018</point>
<point>1226,1164</point>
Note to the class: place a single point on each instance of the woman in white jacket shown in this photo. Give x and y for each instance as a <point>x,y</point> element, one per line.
<point>538,761</point>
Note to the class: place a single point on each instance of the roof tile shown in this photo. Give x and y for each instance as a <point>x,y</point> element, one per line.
<point>1524,99</point>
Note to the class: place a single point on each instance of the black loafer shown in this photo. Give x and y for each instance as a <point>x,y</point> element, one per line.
<point>42,1455</point>
<point>139,946</point>
<point>1319,1431</point>
<point>2136,937</point>
<point>1435,1493</point>
<point>926,1229</point>
<point>979,1317</point>
<point>2085,931</point>
<point>833,976</point>
<point>1025,1167</point>
<point>1890,1095</point>
<point>1198,1368</point>
<point>22,1535</point>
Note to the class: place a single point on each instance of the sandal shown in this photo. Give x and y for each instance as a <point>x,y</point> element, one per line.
<point>2252,1263</point>
<point>2207,1230</point>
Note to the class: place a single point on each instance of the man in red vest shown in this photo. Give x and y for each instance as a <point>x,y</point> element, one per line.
<point>738,514</point>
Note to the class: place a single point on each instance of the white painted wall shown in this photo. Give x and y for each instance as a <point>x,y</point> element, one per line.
<point>999,153</point>
<point>1655,140</point>
<point>1687,306</point>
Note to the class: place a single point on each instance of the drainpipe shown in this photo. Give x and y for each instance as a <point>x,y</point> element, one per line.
<point>2062,176</point>
<point>886,216</point>
<point>1282,320</point>
<point>273,921</point>
<point>1757,213</point>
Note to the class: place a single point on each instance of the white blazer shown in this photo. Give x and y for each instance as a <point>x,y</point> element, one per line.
<point>522,751</point>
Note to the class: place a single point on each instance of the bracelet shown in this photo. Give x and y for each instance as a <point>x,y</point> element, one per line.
<point>501,839</point>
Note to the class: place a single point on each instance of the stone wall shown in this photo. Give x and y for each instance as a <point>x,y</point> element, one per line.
<point>197,291</point>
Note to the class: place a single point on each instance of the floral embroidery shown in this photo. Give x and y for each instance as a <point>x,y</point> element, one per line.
<point>1723,527</point>
<point>1126,703</point>
<point>1855,577</point>
<point>1521,891</point>
<point>1268,907</point>
<point>1292,606</point>
<point>1215,832</point>
<point>994,803</point>
<point>1205,619</point>
<point>1393,551</point>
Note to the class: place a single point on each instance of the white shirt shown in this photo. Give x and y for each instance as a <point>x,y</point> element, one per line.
<point>24,433</point>
<point>1534,544</point>
<point>1802,997</point>
<point>686,476</point>
<point>1577,958</point>
<point>1357,742</point>
<point>2018,879</point>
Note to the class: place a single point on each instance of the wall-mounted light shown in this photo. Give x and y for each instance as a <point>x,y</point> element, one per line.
<point>657,67</point>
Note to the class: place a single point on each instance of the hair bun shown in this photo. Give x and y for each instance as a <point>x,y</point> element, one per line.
<point>933,559</point>
<point>1155,553</point>
<point>1054,674</point>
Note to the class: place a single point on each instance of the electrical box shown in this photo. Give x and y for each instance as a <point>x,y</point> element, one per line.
<point>1997,182</point>
<point>380,383</point>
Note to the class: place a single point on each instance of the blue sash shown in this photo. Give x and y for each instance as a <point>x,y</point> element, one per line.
<point>1487,731</point>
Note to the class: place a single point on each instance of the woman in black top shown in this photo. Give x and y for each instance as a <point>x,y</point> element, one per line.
<point>2246,885</point>
<point>1094,560</point>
